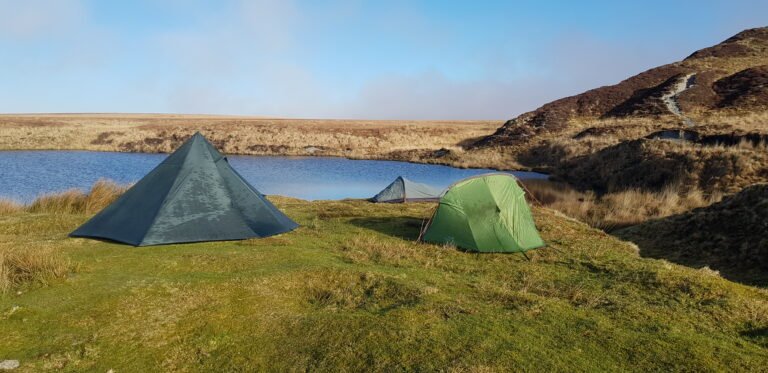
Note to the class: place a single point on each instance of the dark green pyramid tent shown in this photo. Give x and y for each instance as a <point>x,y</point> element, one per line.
<point>485,213</point>
<point>193,195</point>
<point>404,190</point>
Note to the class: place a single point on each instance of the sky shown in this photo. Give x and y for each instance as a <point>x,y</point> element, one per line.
<point>392,59</point>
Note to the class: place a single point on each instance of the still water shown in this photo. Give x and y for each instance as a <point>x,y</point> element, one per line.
<point>27,174</point>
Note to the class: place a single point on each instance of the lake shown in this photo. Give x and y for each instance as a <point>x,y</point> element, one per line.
<point>27,174</point>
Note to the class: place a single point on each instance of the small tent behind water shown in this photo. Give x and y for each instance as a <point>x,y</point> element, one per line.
<point>193,195</point>
<point>485,213</point>
<point>404,190</point>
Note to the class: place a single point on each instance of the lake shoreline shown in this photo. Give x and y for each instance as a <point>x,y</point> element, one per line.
<point>30,173</point>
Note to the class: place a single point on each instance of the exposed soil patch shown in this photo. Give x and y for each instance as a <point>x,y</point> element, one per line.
<point>105,138</point>
<point>721,139</point>
<point>604,131</point>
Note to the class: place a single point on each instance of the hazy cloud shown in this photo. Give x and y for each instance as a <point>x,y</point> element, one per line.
<point>25,19</point>
<point>573,63</point>
<point>288,58</point>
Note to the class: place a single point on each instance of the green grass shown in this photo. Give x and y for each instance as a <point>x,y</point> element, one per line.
<point>351,290</point>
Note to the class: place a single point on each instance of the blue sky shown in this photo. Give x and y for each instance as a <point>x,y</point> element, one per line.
<point>341,59</point>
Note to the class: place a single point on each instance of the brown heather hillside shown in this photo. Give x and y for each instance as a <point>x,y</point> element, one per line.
<point>732,71</point>
<point>608,138</point>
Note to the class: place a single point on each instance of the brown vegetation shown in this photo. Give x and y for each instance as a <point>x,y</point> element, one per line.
<point>38,261</point>
<point>612,211</point>
<point>600,139</point>
<point>654,164</point>
<point>102,193</point>
<point>729,236</point>
<point>236,135</point>
<point>728,77</point>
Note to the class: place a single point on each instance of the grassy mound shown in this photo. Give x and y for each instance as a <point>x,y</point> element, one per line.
<point>729,236</point>
<point>351,290</point>
<point>654,164</point>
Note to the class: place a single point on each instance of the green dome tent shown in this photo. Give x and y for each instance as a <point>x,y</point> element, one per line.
<point>193,195</point>
<point>485,213</point>
<point>404,190</point>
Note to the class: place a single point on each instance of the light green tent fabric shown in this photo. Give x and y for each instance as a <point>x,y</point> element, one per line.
<point>193,195</point>
<point>486,213</point>
<point>404,190</point>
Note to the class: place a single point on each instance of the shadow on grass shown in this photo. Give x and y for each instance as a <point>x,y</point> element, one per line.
<point>683,239</point>
<point>758,335</point>
<point>405,227</point>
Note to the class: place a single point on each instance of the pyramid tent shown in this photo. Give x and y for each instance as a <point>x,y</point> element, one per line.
<point>485,213</point>
<point>193,195</point>
<point>404,190</point>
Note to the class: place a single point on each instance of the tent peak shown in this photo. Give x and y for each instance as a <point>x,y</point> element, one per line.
<point>193,195</point>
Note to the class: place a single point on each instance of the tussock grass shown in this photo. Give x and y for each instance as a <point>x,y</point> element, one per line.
<point>619,209</point>
<point>751,121</point>
<point>38,262</point>
<point>8,206</point>
<point>29,264</point>
<point>102,193</point>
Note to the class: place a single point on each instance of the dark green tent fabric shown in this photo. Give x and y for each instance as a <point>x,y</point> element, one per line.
<point>193,195</point>
<point>404,190</point>
<point>486,213</point>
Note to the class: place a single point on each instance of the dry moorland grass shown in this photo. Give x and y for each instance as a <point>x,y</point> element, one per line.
<point>620,209</point>
<point>236,135</point>
<point>32,263</point>
<point>38,261</point>
<point>102,193</point>
<point>611,155</point>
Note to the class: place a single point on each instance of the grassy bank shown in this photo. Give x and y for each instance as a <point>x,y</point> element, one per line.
<point>351,290</point>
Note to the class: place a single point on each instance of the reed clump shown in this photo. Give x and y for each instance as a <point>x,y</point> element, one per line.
<point>74,201</point>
